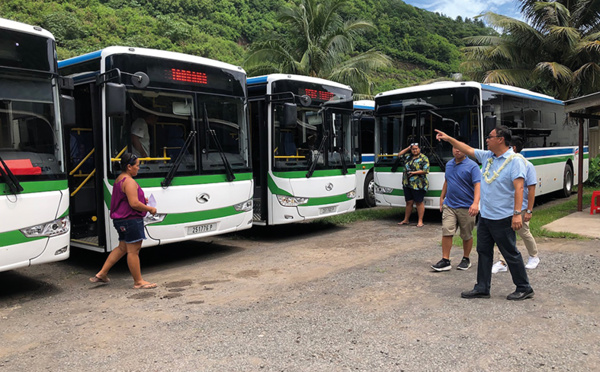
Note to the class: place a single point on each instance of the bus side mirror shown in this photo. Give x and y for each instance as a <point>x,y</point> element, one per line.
<point>290,115</point>
<point>67,110</point>
<point>489,124</point>
<point>115,99</point>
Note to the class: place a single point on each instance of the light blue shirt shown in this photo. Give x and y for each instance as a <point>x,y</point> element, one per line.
<point>498,197</point>
<point>530,179</point>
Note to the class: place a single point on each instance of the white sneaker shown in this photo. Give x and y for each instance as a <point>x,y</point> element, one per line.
<point>532,263</point>
<point>499,267</point>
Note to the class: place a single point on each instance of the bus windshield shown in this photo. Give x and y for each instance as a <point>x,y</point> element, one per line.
<point>183,98</point>
<point>29,133</point>
<point>413,118</point>
<point>322,137</point>
<point>161,121</point>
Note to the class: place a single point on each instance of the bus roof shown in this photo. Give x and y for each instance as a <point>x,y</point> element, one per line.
<point>506,89</point>
<point>23,27</point>
<point>146,52</point>
<point>364,105</point>
<point>274,77</point>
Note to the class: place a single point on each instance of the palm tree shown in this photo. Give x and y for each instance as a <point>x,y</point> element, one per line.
<point>316,41</point>
<point>557,52</point>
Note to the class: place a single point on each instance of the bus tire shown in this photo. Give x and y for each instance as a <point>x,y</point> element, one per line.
<point>369,192</point>
<point>568,181</point>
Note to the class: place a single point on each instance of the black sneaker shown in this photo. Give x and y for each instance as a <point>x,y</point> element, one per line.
<point>443,265</point>
<point>464,264</point>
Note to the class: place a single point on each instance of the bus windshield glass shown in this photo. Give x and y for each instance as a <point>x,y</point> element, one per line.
<point>23,51</point>
<point>203,102</point>
<point>322,133</point>
<point>29,133</point>
<point>413,118</point>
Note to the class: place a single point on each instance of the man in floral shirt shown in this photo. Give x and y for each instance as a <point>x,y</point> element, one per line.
<point>415,182</point>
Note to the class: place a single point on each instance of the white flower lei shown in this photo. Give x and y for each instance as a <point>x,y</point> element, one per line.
<point>497,173</point>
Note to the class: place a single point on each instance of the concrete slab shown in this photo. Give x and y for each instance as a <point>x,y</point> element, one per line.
<point>582,223</point>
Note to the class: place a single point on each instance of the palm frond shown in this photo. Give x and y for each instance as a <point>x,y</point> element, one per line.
<point>556,70</point>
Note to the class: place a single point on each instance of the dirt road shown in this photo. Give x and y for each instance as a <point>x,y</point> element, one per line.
<point>306,297</point>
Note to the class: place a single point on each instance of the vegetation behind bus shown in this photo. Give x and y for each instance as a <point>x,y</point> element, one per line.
<point>422,44</point>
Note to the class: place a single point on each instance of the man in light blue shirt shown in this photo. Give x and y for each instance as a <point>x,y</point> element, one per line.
<point>500,208</point>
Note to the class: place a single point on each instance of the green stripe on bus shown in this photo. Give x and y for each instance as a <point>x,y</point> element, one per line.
<point>274,188</point>
<point>199,216</point>
<point>430,193</point>
<point>401,169</point>
<point>316,174</point>
<point>325,200</point>
<point>364,166</point>
<point>15,237</point>
<point>179,181</point>
<point>550,160</point>
<point>190,180</point>
<point>38,186</point>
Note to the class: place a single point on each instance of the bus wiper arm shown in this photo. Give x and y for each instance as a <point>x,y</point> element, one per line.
<point>343,160</point>
<point>228,169</point>
<point>9,178</point>
<point>313,165</point>
<point>397,163</point>
<point>435,155</point>
<point>169,177</point>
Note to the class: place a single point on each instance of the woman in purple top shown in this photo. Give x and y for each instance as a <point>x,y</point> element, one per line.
<point>127,209</point>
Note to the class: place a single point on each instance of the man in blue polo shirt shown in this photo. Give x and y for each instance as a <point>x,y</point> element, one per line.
<point>459,204</point>
<point>501,199</point>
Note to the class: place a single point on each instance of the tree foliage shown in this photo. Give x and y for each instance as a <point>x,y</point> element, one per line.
<point>556,51</point>
<point>316,41</point>
<point>422,45</point>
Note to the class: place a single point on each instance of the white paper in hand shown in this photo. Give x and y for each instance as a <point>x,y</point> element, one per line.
<point>151,203</point>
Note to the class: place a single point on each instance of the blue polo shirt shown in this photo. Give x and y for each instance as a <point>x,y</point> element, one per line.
<point>461,179</point>
<point>498,197</point>
<point>530,179</point>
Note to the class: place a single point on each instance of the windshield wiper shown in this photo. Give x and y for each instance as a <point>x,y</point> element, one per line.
<point>228,169</point>
<point>397,163</point>
<point>313,165</point>
<point>169,177</point>
<point>9,178</point>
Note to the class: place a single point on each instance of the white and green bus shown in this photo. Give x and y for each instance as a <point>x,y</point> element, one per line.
<point>34,197</point>
<point>471,110</point>
<point>364,119</point>
<point>302,148</point>
<point>197,166</point>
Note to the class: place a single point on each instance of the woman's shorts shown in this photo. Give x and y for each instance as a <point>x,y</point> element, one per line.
<point>412,194</point>
<point>131,231</point>
<point>452,219</point>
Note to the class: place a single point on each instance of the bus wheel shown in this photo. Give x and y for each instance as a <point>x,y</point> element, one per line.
<point>568,181</point>
<point>369,199</point>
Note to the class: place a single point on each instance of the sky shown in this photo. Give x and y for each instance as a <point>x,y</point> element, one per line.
<point>468,8</point>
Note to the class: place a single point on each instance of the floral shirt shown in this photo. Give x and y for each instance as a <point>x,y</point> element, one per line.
<point>420,163</point>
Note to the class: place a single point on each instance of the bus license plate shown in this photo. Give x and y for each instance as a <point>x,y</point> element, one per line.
<point>198,229</point>
<point>326,210</point>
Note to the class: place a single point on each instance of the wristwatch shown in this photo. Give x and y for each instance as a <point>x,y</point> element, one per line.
<point>529,211</point>
<point>516,212</point>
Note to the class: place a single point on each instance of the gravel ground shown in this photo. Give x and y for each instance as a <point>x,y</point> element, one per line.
<point>306,297</point>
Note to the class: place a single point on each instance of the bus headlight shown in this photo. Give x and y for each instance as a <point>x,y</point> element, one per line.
<point>351,194</point>
<point>245,206</point>
<point>291,201</point>
<point>57,227</point>
<point>148,220</point>
<point>383,190</point>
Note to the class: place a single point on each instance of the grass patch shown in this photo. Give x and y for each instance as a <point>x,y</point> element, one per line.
<point>547,209</point>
